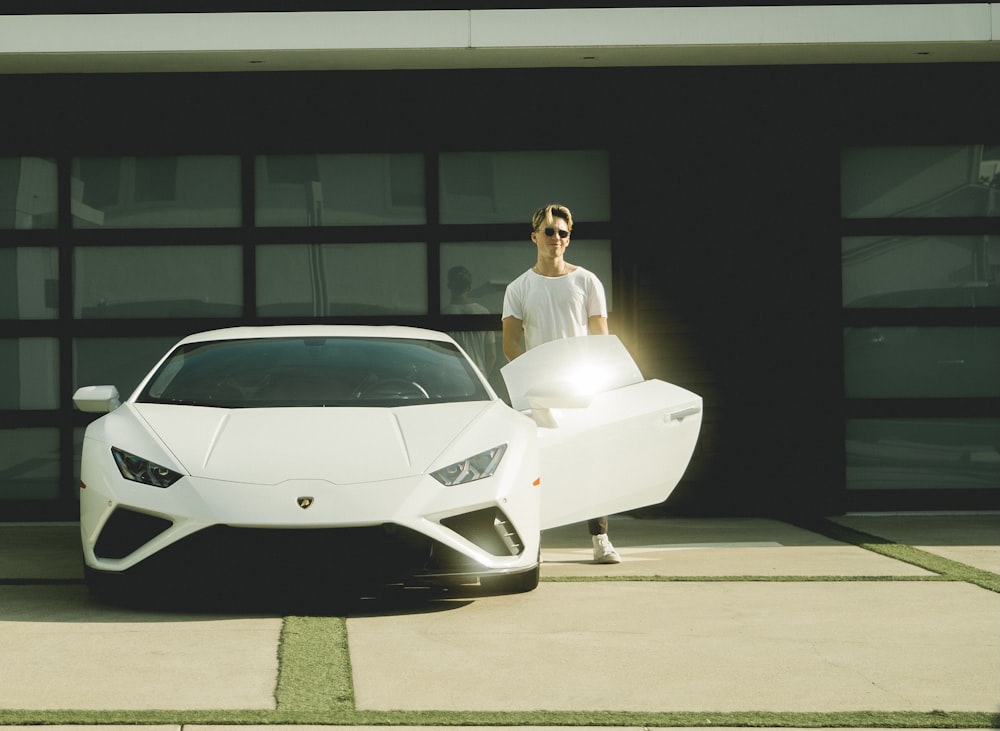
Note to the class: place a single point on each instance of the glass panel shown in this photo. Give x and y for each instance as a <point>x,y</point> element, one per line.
<point>485,347</point>
<point>460,298</point>
<point>332,190</point>
<point>921,271</point>
<point>29,464</point>
<point>157,281</point>
<point>491,266</point>
<point>908,454</point>
<point>29,283</point>
<point>918,182</point>
<point>27,193</point>
<point>922,362</point>
<point>507,187</point>
<point>342,279</point>
<point>29,373</point>
<point>315,372</point>
<point>156,192</point>
<point>121,362</point>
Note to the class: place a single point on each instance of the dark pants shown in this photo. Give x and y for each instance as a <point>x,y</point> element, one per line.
<point>597,526</point>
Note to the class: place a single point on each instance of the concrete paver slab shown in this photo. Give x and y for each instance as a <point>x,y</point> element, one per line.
<point>682,646</point>
<point>60,650</point>
<point>712,547</point>
<point>116,727</point>
<point>647,646</point>
<point>40,552</point>
<point>969,538</point>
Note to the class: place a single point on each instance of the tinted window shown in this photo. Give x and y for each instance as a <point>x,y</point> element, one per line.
<point>920,182</point>
<point>315,371</point>
<point>186,191</point>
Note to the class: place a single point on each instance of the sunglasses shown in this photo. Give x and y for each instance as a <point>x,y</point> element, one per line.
<point>549,231</point>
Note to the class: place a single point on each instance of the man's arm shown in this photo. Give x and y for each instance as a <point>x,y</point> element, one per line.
<point>597,325</point>
<point>513,329</point>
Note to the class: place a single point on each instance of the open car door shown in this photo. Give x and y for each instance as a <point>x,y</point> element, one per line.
<point>609,440</point>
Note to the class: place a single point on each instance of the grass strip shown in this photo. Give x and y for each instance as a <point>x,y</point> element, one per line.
<point>944,567</point>
<point>797,578</point>
<point>314,666</point>
<point>695,719</point>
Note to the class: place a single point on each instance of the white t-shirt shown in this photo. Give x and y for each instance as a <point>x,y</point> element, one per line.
<point>553,308</point>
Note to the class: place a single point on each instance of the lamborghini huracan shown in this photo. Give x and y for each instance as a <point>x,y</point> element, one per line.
<point>367,453</point>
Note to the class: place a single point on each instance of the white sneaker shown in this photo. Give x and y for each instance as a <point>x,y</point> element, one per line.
<point>604,552</point>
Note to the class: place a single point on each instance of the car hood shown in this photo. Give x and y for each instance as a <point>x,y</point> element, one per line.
<point>340,445</point>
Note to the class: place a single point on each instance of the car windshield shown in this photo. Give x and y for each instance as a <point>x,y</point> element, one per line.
<point>314,371</point>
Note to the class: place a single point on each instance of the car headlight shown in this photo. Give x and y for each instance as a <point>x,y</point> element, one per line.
<point>471,469</point>
<point>142,470</point>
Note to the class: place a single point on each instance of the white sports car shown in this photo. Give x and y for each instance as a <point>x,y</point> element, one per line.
<point>353,453</point>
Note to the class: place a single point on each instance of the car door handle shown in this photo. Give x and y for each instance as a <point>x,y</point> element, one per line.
<point>683,413</point>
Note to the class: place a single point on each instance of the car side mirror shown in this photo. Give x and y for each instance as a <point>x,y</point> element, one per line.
<point>97,399</point>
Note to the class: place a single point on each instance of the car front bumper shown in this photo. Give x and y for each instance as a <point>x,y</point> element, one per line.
<point>407,529</point>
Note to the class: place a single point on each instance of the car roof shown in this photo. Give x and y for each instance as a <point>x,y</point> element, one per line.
<point>317,331</point>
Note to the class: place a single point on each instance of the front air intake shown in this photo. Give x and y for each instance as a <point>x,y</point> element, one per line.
<point>126,530</point>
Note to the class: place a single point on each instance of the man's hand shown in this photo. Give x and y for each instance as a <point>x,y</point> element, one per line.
<point>513,330</point>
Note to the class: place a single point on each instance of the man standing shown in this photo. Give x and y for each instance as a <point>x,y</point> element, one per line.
<point>552,300</point>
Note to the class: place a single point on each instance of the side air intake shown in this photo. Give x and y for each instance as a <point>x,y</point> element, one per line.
<point>489,529</point>
<point>127,530</point>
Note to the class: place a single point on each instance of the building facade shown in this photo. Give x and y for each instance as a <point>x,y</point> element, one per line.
<point>795,211</point>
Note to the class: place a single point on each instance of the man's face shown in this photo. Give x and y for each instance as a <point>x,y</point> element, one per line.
<point>552,238</point>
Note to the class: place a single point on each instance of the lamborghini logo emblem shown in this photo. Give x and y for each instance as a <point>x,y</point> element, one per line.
<point>304,502</point>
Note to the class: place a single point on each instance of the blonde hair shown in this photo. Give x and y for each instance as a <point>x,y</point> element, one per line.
<point>547,213</point>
